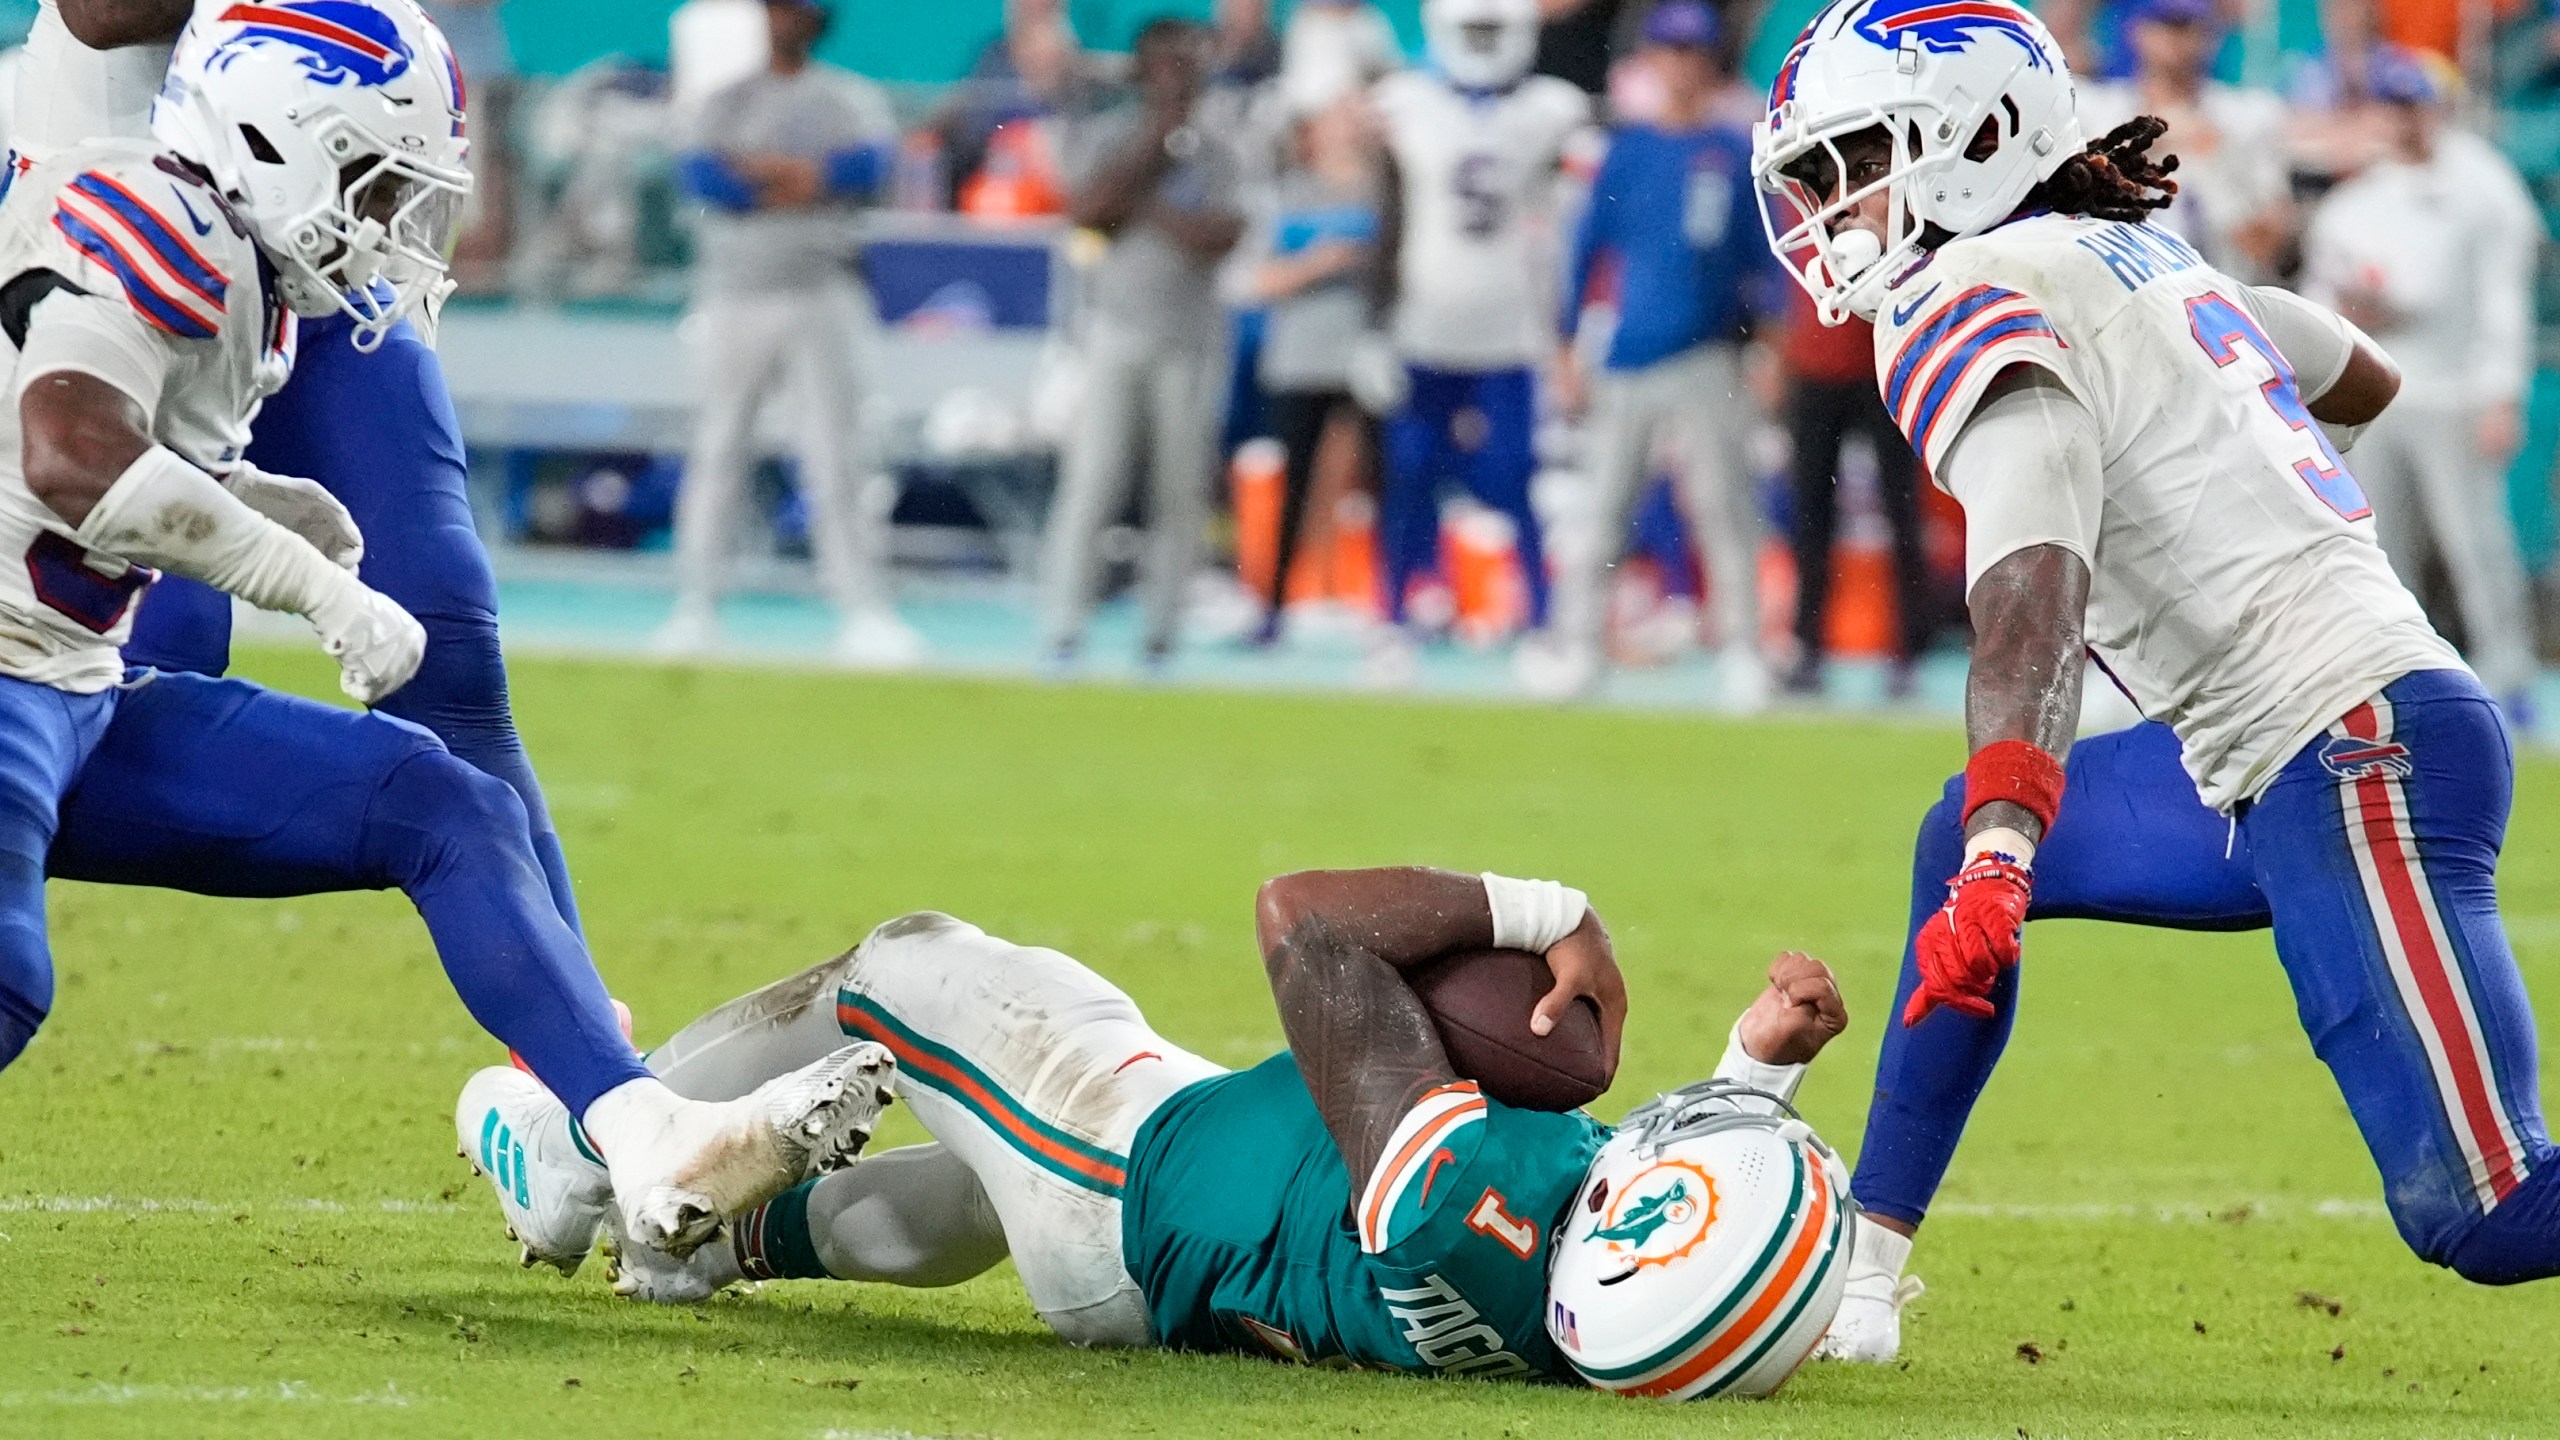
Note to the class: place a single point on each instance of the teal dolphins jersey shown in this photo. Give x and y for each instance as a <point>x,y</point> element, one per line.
<point>1241,1227</point>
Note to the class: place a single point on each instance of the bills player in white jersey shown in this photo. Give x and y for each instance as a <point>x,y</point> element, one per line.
<point>365,411</point>
<point>150,296</point>
<point>2148,456</point>
<point>1474,142</point>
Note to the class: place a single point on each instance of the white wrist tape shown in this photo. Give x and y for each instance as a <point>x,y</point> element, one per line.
<point>1532,915</point>
<point>1737,1064</point>
<point>166,513</point>
<point>2003,841</point>
<point>2342,438</point>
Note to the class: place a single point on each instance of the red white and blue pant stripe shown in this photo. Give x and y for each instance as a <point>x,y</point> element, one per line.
<point>2373,857</point>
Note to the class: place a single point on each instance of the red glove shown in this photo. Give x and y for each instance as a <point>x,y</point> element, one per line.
<point>1964,947</point>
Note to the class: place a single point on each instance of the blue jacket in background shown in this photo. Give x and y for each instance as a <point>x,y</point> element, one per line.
<point>1678,210</point>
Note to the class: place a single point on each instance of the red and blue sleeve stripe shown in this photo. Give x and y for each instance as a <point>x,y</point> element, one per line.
<point>148,299</point>
<point>1925,340</point>
<point>181,259</point>
<point>1979,332</point>
<point>1990,347</point>
<point>166,280</point>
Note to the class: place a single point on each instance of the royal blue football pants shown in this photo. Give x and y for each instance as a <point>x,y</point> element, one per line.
<point>2373,856</point>
<point>379,431</point>
<point>221,787</point>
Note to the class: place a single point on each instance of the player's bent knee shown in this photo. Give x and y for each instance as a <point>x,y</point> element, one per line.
<point>2517,1241</point>
<point>434,802</point>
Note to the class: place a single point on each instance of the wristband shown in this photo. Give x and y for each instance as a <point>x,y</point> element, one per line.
<point>1738,1064</point>
<point>2019,772</point>
<point>1532,915</point>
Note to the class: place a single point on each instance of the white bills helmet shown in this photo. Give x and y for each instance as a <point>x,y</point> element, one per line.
<point>1707,1251</point>
<point>334,128</point>
<point>1481,44</point>
<point>1977,103</point>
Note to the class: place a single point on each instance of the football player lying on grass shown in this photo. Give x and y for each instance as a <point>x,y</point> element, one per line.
<point>1351,1201</point>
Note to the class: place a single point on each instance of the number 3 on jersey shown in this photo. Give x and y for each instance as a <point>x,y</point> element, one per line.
<point>2222,328</point>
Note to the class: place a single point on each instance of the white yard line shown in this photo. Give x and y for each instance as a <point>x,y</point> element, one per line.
<point>184,1205</point>
<point>289,1392</point>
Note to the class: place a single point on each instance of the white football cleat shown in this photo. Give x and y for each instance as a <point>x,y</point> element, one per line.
<point>1393,662</point>
<point>1743,683</point>
<point>1551,669</point>
<point>731,1156</point>
<point>648,1274</point>
<point>551,1188</point>
<point>691,630</point>
<point>1867,1329</point>
<point>877,639</point>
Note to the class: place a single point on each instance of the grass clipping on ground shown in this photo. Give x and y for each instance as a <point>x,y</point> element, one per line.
<point>229,1203</point>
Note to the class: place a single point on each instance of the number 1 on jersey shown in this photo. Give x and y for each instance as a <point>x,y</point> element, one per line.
<point>2222,327</point>
<point>1516,1235</point>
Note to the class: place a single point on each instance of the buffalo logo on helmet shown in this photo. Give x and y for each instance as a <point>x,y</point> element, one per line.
<point>1658,1216</point>
<point>342,42</point>
<point>1947,26</point>
<point>1783,89</point>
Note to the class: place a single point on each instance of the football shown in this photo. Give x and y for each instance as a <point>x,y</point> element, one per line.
<point>1481,1000</point>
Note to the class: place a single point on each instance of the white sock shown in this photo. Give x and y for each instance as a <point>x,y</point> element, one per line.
<point>627,1119</point>
<point>911,1216</point>
<point>1878,1256</point>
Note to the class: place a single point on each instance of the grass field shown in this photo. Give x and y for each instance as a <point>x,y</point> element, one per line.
<point>229,1203</point>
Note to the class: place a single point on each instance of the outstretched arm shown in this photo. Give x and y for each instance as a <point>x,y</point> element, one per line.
<point>88,456</point>
<point>107,24</point>
<point>1333,942</point>
<point>2026,468</point>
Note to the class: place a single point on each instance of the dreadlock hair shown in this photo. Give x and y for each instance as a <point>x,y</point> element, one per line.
<point>2115,178</point>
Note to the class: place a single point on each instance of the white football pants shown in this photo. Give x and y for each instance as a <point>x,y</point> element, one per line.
<point>2431,487</point>
<point>807,349</point>
<point>1170,393</point>
<point>1031,1072</point>
<point>1696,400</point>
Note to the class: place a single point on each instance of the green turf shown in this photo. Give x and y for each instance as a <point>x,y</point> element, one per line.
<point>232,1207</point>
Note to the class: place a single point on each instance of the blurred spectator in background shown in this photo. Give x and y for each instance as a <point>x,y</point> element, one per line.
<point>1309,263</point>
<point>1243,50</point>
<point>1831,396</point>
<point>1331,47</point>
<point>1474,143</point>
<point>2233,185</point>
<point>783,160</point>
<point>2431,250</point>
<point>997,125</point>
<point>1162,189</point>
<point>479,40</point>
<point>595,140</point>
<point>1578,40</point>
<point>1674,207</point>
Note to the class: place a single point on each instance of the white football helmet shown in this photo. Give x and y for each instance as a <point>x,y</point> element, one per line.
<point>334,129</point>
<point>1707,1251</point>
<point>1931,75</point>
<point>1481,44</point>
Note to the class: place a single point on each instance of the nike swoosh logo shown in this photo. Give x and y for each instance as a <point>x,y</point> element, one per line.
<point>1902,313</point>
<point>1439,1158</point>
<point>205,227</point>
